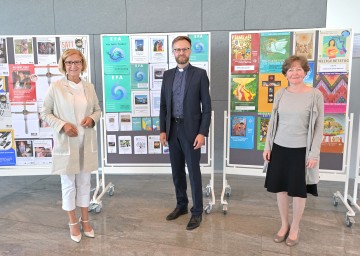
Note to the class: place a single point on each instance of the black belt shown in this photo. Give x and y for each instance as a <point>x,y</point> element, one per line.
<point>178,120</point>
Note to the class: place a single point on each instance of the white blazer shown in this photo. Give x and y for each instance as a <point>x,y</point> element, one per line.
<point>57,110</point>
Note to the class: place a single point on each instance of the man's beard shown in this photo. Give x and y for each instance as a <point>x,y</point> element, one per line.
<point>183,60</point>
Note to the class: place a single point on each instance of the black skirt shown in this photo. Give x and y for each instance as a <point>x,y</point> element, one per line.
<point>286,172</point>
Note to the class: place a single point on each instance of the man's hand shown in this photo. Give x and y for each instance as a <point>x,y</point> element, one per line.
<point>70,130</point>
<point>163,140</point>
<point>199,141</point>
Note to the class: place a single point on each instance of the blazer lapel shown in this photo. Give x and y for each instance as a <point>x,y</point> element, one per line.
<point>170,86</point>
<point>189,75</point>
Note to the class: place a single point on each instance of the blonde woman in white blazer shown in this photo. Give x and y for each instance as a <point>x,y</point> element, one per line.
<point>72,109</point>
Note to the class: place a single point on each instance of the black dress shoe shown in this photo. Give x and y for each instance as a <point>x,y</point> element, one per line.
<point>194,222</point>
<point>176,213</point>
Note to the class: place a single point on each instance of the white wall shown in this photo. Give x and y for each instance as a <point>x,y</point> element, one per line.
<point>343,14</point>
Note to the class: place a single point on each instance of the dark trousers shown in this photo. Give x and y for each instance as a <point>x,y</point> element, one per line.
<point>181,150</point>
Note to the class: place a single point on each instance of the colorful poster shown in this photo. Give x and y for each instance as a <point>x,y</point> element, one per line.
<point>116,55</point>
<point>334,133</point>
<point>117,93</point>
<point>146,124</point>
<point>155,123</point>
<point>274,49</point>
<point>139,46</point>
<point>5,112</point>
<point>74,42</point>
<point>136,124</point>
<point>309,78</point>
<point>269,84</point>
<point>334,51</point>
<point>2,84</point>
<point>262,127</point>
<point>22,87</point>
<point>245,53</point>
<point>243,92</point>
<point>139,76</point>
<point>304,44</point>
<point>199,47</point>
<point>334,87</point>
<point>23,50</point>
<point>242,132</point>
<point>7,147</point>
<point>158,49</point>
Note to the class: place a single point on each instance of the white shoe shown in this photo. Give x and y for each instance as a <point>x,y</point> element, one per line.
<point>76,239</point>
<point>91,233</point>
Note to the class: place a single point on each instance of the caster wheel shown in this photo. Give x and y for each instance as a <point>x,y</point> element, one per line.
<point>111,191</point>
<point>225,209</point>
<point>335,201</point>
<point>348,222</point>
<point>207,209</point>
<point>98,209</point>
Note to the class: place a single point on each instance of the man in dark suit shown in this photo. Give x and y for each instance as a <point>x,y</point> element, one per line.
<point>185,115</point>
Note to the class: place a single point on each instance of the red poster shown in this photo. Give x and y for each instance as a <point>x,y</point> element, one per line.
<point>22,88</point>
<point>245,53</point>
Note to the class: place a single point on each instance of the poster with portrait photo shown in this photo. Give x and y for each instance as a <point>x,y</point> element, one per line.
<point>24,152</point>
<point>154,144</point>
<point>156,75</point>
<point>46,50</point>
<point>125,146</point>
<point>23,50</point>
<point>263,120</point>
<point>158,48</point>
<point>21,85</point>
<point>42,151</point>
<point>139,49</point>
<point>140,103</point>
<point>242,132</point>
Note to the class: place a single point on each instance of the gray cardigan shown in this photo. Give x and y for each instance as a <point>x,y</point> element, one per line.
<point>315,133</point>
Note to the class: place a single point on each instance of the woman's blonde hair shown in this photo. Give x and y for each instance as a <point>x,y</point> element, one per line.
<point>68,53</point>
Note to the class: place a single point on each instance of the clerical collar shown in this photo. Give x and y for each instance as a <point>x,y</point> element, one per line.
<point>183,69</point>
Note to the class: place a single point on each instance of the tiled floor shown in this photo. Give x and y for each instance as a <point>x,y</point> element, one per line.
<point>132,221</point>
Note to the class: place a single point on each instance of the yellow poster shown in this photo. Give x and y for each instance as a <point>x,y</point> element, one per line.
<point>269,84</point>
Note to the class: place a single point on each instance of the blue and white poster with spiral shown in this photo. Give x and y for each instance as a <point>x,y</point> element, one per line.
<point>139,76</point>
<point>199,47</point>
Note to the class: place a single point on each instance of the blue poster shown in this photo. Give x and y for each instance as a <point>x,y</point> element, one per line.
<point>7,148</point>
<point>309,78</point>
<point>242,132</point>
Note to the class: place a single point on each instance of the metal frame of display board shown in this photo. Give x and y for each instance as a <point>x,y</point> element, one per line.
<point>207,168</point>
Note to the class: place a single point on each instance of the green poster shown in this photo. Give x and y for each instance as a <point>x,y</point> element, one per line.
<point>117,93</point>
<point>199,47</point>
<point>244,93</point>
<point>262,127</point>
<point>116,55</point>
<point>139,76</point>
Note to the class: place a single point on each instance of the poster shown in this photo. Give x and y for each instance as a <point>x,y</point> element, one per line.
<point>243,93</point>
<point>23,50</point>
<point>156,75</point>
<point>154,144</point>
<point>117,93</point>
<point>42,151</point>
<point>304,44</point>
<point>334,87</point>
<point>140,103</point>
<point>25,119</point>
<point>5,112</point>
<point>310,75</point>
<point>7,147</point>
<point>22,86</point>
<point>111,144</point>
<point>242,132</point>
<point>125,145</point>
<point>125,122</point>
<point>74,42</point>
<point>334,51</point>
<point>112,121</point>
<point>139,46</point>
<point>44,76</point>
<point>158,49</point>
<point>4,67</point>
<point>24,152</point>
<point>263,120</point>
<point>140,145</point>
<point>139,76</point>
<point>334,133</point>
<point>274,49</point>
<point>199,47</point>
<point>245,53</point>
<point>46,51</point>
<point>116,55</point>
<point>269,85</point>
<point>155,103</point>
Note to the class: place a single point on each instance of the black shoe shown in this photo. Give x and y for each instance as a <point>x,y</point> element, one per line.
<point>176,213</point>
<point>194,222</point>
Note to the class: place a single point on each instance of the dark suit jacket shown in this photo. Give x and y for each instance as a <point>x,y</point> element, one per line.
<point>197,102</point>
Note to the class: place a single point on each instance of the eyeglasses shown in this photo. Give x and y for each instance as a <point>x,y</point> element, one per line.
<point>293,70</point>
<point>178,50</point>
<point>75,62</point>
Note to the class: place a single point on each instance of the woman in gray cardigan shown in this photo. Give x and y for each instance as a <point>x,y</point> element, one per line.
<point>71,108</point>
<point>292,146</point>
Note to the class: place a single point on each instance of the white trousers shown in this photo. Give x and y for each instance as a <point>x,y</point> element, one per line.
<point>75,190</point>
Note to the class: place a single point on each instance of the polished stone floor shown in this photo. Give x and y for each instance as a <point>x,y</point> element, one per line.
<point>132,221</point>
